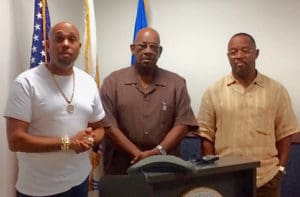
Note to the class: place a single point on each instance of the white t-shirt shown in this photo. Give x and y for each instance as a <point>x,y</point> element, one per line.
<point>34,98</point>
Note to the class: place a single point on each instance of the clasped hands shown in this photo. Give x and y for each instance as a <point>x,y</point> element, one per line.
<point>83,140</point>
<point>143,154</point>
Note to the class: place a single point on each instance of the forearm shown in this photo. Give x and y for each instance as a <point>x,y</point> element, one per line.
<point>119,139</point>
<point>174,136</point>
<point>207,147</point>
<point>98,131</point>
<point>38,144</point>
<point>283,147</point>
<point>35,144</point>
<point>98,135</point>
<point>19,140</point>
<point>171,140</point>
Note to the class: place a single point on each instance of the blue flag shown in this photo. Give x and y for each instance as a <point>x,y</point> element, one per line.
<point>41,28</point>
<point>140,22</point>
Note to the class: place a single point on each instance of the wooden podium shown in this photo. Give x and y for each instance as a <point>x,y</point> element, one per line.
<point>231,176</point>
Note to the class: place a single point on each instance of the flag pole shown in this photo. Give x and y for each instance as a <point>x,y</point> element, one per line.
<point>44,4</point>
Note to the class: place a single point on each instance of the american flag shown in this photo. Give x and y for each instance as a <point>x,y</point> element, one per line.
<point>40,33</point>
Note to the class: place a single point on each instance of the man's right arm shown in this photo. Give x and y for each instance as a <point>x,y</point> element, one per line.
<point>108,95</point>
<point>207,123</point>
<point>120,140</point>
<point>19,140</point>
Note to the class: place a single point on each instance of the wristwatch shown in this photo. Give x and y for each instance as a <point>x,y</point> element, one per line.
<point>161,149</point>
<point>282,169</point>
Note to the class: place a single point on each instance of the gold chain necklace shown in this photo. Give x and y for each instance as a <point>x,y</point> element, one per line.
<point>70,108</point>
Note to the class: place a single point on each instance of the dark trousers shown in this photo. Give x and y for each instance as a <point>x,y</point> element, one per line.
<point>76,191</point>
<point>271,188</point>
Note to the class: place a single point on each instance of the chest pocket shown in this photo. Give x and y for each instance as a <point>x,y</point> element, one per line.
<point>166,115</point>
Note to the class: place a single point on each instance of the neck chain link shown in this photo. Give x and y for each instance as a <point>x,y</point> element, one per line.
<point>70,107</point>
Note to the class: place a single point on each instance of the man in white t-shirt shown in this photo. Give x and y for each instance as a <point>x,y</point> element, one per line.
<point>54,115</point>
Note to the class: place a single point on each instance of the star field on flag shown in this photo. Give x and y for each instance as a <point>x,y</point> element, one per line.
<point>38,49</point>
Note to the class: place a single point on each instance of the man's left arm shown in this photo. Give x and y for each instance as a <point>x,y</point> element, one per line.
<point>184,121</point>
<point>283,147</point>
<point>184,118</point>
<point>95,125</point>
<point>286,125</point>
<point>97,131</point>
<point>171,140</point>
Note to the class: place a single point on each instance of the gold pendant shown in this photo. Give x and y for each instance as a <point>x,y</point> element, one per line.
<point>70,108</point>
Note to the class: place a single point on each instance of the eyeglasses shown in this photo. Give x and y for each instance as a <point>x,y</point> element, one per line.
<point>144,45</point>
<point>244,51</point>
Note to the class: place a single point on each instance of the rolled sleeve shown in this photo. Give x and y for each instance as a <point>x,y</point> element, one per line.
<point>285,122</point>
<point>207,118</point>
<point>106,94</point>
<point>184,112</point>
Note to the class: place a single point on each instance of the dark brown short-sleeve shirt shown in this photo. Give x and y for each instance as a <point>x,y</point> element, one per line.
<point>146,117</point>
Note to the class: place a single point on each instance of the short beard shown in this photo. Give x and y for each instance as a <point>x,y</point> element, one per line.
<point>65,62</point>
<point>244,74</point>
<point>145,69</point>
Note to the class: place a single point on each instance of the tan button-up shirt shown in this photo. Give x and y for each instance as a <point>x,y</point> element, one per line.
<point>249,121</point>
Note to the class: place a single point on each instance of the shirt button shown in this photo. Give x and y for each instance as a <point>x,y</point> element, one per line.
<point>146,133</point>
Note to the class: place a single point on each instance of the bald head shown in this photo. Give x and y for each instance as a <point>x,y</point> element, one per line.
<point>149,33</point>
<point>242,34</point>
<point>61,26</point>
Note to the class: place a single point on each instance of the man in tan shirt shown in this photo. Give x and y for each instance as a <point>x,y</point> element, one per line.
<point>246,113</point>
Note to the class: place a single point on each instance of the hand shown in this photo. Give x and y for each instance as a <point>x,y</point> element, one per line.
<point>82,141</point>
<point>143,155</point>
<point>91,136</point>
<point>136,157</point>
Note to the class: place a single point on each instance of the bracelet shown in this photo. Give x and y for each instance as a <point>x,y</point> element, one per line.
<point>65,142</point>
<point>161,149</point>
<point>282,169</point>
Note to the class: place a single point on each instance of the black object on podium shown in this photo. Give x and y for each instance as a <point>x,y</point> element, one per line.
<point>169,176</point>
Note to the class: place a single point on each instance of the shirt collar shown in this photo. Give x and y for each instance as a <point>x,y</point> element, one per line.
<point>257,81</point>
<point>131,77</point>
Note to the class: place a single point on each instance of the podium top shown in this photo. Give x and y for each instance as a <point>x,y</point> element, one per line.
<point>223,165</point>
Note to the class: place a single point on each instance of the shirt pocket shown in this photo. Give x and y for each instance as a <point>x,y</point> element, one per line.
<point>166,115</point>
<point>123,111</point>
<point>264,141</point>
<point>263,132</point>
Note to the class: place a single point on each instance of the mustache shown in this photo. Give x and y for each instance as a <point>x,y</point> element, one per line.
<point>240,62</point>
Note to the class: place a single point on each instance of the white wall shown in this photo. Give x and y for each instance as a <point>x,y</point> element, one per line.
<point>194,36</point>
<point>8,70</point>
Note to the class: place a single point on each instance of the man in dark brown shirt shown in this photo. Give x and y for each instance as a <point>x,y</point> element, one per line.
<point>147,108</point>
